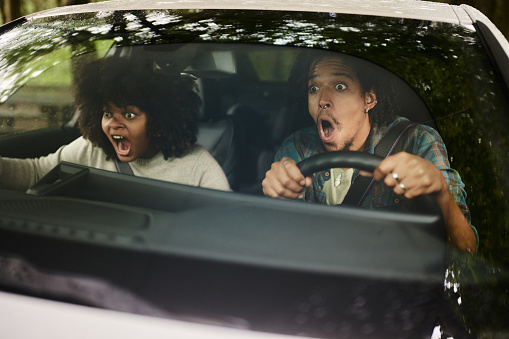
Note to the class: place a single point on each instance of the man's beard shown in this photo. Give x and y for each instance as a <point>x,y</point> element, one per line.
<point>347,145</point>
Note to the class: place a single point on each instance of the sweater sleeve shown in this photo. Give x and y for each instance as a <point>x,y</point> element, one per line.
<point>22,173</point>
<point>209,174</point>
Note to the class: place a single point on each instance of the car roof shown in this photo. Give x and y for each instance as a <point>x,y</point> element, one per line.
<point>412,9</point>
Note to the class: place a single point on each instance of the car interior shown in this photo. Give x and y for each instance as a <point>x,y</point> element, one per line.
<point>244,118</point>
<point>256,263</point>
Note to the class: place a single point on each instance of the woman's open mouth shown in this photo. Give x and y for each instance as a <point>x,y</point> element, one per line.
<point>123,146</point>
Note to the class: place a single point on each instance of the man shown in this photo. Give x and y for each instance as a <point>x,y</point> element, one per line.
<point>340,100</point>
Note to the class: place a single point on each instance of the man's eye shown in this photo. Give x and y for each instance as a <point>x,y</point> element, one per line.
<point>107,114</point>
<point>341,87</point>
<point>130,115</point>
<point>313,89</point>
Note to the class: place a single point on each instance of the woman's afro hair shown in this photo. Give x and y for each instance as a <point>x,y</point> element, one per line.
<point>170,101</point>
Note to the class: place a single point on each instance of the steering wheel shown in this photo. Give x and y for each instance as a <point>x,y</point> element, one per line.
<point>426,204</point>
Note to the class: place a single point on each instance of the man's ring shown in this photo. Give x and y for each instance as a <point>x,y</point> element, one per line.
<point>396,177</point>
<point>402,187</point>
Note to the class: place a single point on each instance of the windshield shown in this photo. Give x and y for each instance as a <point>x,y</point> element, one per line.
<point>442,74</point>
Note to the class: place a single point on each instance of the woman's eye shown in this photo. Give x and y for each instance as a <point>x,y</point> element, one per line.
<point>107,115</point>
<point>130,115</point>
<point>313,89</point>
<point>341,87</point>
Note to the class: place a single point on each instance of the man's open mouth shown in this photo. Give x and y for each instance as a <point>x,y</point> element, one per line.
<point>326,129</point>
<point>123,145</point>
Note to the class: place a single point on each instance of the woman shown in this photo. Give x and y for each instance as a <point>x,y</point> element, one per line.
<point>130,114</point>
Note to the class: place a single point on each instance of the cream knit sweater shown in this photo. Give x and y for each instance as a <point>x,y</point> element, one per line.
<point>196,167</point>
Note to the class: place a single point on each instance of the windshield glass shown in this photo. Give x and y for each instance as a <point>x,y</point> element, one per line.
<point>247,59</point>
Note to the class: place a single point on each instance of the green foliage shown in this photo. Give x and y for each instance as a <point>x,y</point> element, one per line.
<point>31,6</point>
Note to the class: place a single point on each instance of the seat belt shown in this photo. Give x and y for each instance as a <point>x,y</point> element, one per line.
<point>123,167</point>
<point>362,185</point>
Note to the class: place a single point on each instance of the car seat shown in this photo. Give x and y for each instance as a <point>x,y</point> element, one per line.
<point>217,132</point>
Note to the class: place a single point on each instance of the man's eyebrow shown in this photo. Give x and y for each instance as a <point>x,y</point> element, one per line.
<point>339,74</point>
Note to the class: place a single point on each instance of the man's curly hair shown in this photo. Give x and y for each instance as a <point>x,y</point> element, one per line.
<point>384,110</point>
<point>170,102</point>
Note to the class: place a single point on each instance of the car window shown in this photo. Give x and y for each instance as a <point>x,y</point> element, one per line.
<point>271,67</point>
<point>39,93</point>
<point>242,62</point>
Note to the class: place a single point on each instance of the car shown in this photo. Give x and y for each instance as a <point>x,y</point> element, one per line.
<point>86,252</point>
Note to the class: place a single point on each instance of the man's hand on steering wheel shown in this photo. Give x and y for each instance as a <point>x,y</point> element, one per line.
<point>284,180</point>
<point>407,174</point>
<point>410,176</point>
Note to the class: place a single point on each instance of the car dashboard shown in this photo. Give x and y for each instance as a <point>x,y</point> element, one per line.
<point>157,248</point>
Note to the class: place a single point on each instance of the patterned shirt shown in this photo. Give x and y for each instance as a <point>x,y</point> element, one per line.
<point>420,140</point>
